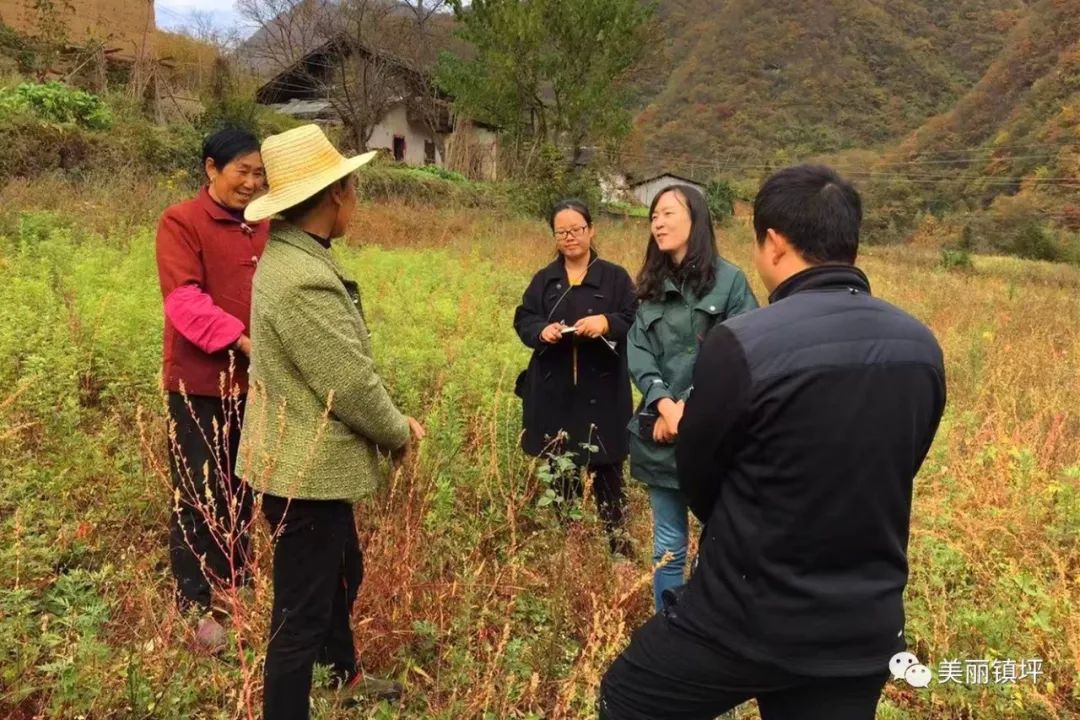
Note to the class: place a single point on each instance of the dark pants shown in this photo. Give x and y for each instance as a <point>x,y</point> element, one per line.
<point>607,487</point>
<point>318,568</point>
<point>210,526</point>
<point>670,674</point>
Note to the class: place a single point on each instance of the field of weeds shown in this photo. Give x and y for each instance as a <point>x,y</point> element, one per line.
<point>475,597</point>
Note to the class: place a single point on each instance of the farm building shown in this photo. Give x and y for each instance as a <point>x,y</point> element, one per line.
<point>644,191</point>
<point>301,63</point>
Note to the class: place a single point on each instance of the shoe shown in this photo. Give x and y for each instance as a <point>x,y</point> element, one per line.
<point>210,636</point>
<point>366,688</point>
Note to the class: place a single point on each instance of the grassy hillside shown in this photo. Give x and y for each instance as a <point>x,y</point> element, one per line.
<point>474,595</point>
<point>763,82</point>
<point>1004,163</point>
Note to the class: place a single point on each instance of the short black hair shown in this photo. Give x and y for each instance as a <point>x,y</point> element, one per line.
<point>574,204</point>
<point>818,211</point>
<point>227,144</point>
<point>302,208</point>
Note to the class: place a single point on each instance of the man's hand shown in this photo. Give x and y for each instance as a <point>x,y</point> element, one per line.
<point>592,326</point>
<point>552,333</point>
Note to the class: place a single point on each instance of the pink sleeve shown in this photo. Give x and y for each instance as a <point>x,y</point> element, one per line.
<point>195,316</point>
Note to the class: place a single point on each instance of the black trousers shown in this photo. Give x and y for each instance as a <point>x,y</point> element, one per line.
<point>669,674</point>
<point>214,510</point>
<point>607,487</point>
<point>318,568</point>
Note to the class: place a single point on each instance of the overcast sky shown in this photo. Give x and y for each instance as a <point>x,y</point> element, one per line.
<point>175,13</point>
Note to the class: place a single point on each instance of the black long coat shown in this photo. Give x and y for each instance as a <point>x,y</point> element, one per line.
<point>592,406</point>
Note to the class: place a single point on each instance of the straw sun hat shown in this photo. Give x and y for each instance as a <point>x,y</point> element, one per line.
<point>299,163</point>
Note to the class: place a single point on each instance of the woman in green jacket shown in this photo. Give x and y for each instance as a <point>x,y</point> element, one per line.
<point>685,288</point>
<point>318,419</point>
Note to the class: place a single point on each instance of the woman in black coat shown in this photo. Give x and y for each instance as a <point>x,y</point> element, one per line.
<point>575,315</point>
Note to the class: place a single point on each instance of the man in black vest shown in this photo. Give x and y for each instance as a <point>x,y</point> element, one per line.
<point>808,422</point>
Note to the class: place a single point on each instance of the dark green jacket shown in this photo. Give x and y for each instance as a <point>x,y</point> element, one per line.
<point>662,348</point>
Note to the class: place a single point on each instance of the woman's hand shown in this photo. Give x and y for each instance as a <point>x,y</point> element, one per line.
<point>671,412</point>
<point>416,429</point>
<point>243,344</point>
<point>592,326</point>
<point>661,433</point>
<point>552,333</point>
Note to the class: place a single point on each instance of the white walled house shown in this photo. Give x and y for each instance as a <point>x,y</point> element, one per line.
<point>467,147</point>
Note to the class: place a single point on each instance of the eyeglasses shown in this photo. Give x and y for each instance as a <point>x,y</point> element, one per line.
<point>574,232</point>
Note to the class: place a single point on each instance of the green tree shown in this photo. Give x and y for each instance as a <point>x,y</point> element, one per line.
<point>550,72</point>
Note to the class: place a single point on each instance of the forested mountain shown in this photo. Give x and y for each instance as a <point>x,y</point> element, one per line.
<point>1008,151</point>
<point>959,120</point>
<point>760,81</point>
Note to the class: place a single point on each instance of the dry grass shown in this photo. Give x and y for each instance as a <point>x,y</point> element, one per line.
<point>481,602</point>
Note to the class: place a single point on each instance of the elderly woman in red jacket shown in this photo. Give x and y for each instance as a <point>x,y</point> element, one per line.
<point>206,257</point>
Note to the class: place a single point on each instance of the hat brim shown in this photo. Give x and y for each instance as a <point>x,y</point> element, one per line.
<point>273,202</point>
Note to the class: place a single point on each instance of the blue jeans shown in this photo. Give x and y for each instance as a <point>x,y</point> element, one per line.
<point>671,534</point>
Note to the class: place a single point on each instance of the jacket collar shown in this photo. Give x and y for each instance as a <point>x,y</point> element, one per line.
<point>286,232</point>
<point>211,207</point>
<point>822,277</point>
<point>557,270</point>
<point>708,301</point>
<point>220,214</point>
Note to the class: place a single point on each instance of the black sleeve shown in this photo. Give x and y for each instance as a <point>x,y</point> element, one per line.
<point>624,307</point>
<point>710,430</point>
<point>529,318</point>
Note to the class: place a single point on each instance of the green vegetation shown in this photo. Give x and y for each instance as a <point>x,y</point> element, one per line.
<point>55,102</point>
<point>474,595</point>
<point>553,72</point>
<point>721,196</point>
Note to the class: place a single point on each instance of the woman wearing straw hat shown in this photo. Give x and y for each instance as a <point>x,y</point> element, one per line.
<point>318,418</point>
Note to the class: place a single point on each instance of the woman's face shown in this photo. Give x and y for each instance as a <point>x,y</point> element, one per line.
<point>239,182</point>
<point>573,234</point>
<point>346,208</point>
<point>671,224</point>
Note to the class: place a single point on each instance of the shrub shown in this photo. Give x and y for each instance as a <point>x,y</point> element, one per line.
<point>441,172</point>
<point>1034,242</point>
<point>550,179</point>
<point>247,114</point>
<point>721,195</point>
<point>55,102</point>
<point>424,187</point>
<point>29,148</point>
<point>956,259</point>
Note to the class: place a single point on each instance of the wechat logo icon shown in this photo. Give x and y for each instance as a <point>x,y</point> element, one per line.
<point>905,666</point>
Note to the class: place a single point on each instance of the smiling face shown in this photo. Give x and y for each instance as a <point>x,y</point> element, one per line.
<point>239,182</point>
<point>573,234</point>
<point>671,225</point>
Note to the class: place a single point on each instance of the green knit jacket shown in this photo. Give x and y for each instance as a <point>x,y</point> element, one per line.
<point>317,413</point>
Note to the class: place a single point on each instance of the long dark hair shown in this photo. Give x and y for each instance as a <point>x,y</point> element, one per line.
<point>698,269</point>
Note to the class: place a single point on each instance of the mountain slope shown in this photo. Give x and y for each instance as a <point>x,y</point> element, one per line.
<point>764,81</point>
<point>1008,152</point>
